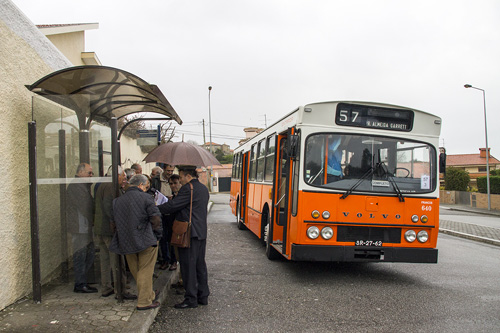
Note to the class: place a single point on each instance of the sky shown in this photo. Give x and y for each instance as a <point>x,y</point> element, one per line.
<point>264,58</point>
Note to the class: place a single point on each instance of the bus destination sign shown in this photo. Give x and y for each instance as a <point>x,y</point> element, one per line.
<point>374,117</point>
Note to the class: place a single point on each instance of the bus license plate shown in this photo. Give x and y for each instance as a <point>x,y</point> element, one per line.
<point>368,243</point>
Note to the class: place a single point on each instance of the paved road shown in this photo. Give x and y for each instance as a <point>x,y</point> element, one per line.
<point>252,294</point>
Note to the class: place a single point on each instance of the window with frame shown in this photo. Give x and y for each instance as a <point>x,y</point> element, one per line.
<point>238,166</point>
<point>261,155</point>
<point>369,163</point>
<point>235,167</point>
<point>253,163</point>
<point>269,170</point>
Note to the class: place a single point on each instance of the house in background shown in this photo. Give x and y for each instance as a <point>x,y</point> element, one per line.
<point>216,146</point>
<point>70,40</point>
<point>474,164</point>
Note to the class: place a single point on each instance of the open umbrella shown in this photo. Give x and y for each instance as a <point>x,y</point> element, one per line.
<point>181,153</point>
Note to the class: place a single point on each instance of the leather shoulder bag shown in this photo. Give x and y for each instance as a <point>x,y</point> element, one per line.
<point>181,230</point>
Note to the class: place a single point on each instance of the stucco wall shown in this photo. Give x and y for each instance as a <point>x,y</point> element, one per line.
<point>71,44</point>
<point>25,56</point>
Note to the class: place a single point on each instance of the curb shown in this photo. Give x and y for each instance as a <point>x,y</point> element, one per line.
<point>473,211</point>
<point>471,237</point>
<point>140,321</point>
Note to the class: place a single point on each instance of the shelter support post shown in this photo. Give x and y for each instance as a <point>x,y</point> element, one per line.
<point>62,207</point>
<point>35,241</point>
<point>100,153</point>
<point>84,144</point>
<point>115,151</point>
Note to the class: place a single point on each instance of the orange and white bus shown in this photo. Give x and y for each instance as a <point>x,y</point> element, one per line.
<point>342,181</point>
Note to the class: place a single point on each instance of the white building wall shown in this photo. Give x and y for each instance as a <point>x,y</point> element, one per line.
<point>71,45</point>
<point>25,56</point>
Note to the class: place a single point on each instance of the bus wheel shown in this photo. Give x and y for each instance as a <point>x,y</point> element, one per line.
<point>271,252</point>
<point>240,225</point>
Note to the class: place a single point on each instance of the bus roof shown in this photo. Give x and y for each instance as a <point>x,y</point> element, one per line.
<point>295,117</point>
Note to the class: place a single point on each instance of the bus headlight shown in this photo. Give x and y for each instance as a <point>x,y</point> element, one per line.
<point>315,214</point>
<point>327,233</point>
<point>410,236</point>
<point>414,218</point>
<point>313,232</point>
<point>422,236</point>
<point>326,215</point>
<point>424,218</point>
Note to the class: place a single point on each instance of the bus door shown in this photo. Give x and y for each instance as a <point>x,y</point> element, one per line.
<point>281,203</point>
<point>244,188</point>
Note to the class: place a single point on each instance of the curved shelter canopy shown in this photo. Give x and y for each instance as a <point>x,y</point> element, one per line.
<point>100,93</point>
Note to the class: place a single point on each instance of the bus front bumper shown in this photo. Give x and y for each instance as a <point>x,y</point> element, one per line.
<point>362,254</point>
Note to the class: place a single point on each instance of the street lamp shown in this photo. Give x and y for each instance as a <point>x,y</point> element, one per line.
<point>210,133</point>
<point>210,119</point>
<point>487,149</point>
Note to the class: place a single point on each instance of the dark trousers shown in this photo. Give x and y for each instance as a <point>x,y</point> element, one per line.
<point>194,271</point>
<point>83,257</point>
<point>167,251</point>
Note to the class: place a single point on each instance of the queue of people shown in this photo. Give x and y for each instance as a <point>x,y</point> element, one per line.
<point>137,225</point>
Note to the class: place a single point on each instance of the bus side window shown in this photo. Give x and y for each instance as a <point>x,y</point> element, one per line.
<point>261,154</point>
<point>253,168</point>
<point>269,170</point>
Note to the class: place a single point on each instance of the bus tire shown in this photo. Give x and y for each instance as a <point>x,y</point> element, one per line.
<point>271,252</point>
<point>240,224</point>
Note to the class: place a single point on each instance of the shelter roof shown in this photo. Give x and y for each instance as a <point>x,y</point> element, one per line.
<point>100,93</point>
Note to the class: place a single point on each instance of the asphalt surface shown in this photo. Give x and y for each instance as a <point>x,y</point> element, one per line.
<point>252,294</point>
<point>62,310</point>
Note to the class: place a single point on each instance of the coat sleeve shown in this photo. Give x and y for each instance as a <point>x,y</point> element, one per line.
<point>182,200</point>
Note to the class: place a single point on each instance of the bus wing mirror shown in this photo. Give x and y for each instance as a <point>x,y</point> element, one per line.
<point>442,163</point>
<point>293,146</point>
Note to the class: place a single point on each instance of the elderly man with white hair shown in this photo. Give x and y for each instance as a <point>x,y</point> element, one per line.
<point>138,229</point>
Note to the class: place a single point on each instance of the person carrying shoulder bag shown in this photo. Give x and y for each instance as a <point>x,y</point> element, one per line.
<point>191,205</point>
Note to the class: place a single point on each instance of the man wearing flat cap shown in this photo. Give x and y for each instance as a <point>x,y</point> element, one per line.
<point>192,259</point>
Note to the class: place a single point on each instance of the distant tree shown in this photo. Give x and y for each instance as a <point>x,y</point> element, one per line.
<point>227,159</point>
<point>456,179</point>
<point>131,129</point>
<point>219,155</point>
<point>482,184</point>
<point>167,132</point>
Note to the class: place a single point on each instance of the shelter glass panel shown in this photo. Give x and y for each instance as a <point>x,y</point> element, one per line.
<point>66,190</point>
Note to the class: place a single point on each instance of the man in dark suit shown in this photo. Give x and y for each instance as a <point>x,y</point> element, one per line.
<point>80,217</point>
<point>192,259</point>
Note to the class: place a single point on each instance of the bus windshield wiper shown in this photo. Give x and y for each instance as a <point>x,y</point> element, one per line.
<point>392,181</point>
<point>360,180</point>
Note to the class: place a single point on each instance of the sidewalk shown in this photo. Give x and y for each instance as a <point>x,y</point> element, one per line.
<point>489,235</point>
<point>62,310</point>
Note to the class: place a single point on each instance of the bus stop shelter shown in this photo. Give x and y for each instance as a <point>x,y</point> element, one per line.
<point>76,111</point>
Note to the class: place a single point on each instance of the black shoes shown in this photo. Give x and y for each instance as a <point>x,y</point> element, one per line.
<point>85,289</point>
<point>185,305</point>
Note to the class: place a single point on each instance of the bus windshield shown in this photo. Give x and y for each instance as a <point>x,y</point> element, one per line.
<point>367,163</point>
